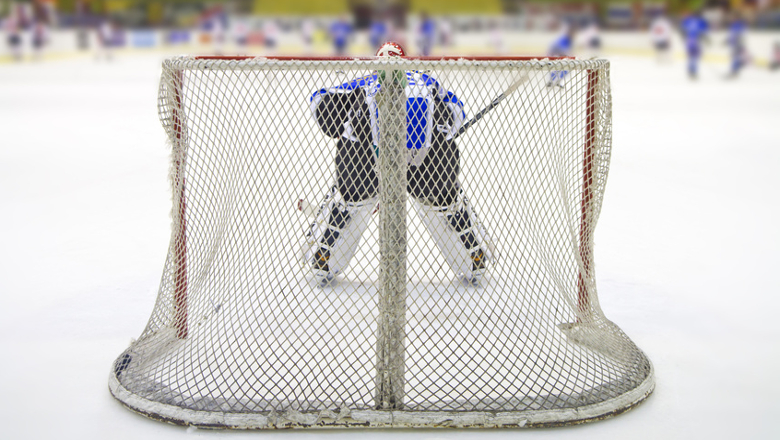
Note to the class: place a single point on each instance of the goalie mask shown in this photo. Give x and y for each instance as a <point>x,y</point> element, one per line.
<point>390,49</point>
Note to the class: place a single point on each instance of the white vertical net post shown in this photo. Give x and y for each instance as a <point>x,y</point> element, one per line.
<point>391,164</point>
<point>383,243</point>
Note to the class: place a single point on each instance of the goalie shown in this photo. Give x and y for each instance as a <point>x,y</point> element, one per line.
<point>349,113</point>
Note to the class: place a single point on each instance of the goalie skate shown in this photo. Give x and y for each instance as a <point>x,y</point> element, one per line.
<point>320,268</point>
<point>478,266</point>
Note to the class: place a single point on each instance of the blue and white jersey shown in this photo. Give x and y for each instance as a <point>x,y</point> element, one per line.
<point>562,46</point>
<point>693,28</point>
<point>428,29</point>
<point>340,32</point>
<point>427,36</point>
<point>377,33</point>
<point>423,93</point>
<point>736,34</point>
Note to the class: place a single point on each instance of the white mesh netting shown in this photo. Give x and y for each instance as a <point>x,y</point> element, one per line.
<point>357,243</point>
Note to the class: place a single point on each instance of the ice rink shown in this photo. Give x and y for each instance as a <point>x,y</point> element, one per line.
<point>686,254</point>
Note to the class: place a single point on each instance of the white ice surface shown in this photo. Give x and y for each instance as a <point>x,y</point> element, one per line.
<point>687,249</point>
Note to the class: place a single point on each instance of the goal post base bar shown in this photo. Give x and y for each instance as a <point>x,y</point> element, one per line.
<point>345,418</point>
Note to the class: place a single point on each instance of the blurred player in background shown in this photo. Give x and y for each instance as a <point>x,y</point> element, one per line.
<point>561,47</point>
<point>774,60</point>
<point>736,42</point>
<point>40,36</point>
<point>270,35</point>
<point>240,32</point>
<point>42,19</point>
<point>13,30</point>
<point>426,34</point>
<point>661,32</point>
<point>590,37</point>
<point>307,34</point>
<point>377,32</point>
<point>348,113</point>
<point>496,37</point>
<point>106,32</point>
<point>694,30</point>
<point>340,33</point>
<point>445,33</point>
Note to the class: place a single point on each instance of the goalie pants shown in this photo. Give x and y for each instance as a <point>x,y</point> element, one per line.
<point>434,182</point>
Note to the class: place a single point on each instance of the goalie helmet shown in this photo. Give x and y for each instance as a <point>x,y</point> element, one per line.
<point>390,49</point>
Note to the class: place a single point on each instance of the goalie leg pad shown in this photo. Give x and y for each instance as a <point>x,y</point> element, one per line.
<point>335,234</point>
<point>463,242</point>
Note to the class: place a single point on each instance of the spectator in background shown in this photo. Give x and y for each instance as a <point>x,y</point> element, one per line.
<point>661,35</point>
<point>694,29</point>
<point>340,33</point>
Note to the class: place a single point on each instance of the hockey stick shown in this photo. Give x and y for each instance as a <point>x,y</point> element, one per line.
<point>512,87</point>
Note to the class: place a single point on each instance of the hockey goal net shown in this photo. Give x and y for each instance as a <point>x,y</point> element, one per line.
<point>383,243</point>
